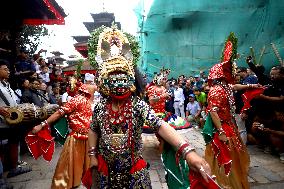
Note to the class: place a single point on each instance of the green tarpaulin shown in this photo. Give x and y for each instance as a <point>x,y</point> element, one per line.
<point>188,35</point>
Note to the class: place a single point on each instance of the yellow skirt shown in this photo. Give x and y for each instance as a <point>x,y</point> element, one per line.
<point>72,164</point>
<point>237,179</point>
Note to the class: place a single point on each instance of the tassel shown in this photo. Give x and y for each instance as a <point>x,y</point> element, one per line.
<point>87,179</point>
<point>139,165</point>
<point>102,166</point>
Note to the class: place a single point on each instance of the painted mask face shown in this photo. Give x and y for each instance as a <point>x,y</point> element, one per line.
<point>119,84</point>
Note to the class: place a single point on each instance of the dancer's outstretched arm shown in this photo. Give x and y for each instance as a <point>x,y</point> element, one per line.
<point>194,161</point>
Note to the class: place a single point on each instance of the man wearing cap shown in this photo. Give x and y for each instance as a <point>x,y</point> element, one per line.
<point>91,86</point>
<point>198,82</point>
<point>193,109</point>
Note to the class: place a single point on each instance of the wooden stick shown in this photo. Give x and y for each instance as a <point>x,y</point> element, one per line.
<point>261,54</point>
<point>253,55</point>
<point>275,50</point>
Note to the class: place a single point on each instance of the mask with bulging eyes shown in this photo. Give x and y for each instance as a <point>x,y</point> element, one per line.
<point>120,84</point>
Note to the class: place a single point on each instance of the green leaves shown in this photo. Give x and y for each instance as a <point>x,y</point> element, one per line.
<point>79,68</point>
<point>30,37</point>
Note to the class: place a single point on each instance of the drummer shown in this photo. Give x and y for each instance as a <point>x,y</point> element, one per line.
<point>8,99</point>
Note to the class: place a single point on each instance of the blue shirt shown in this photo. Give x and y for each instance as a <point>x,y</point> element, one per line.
<point>193,108</point>
<point>251,79</point>
<point>23,65</point>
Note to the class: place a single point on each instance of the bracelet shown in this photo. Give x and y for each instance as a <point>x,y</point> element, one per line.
<point>221,131</point>
<point>44,123</point>
<point>187,150</point>
<point>92,151</point>
<point>183,149</point>
<point>249,85</point>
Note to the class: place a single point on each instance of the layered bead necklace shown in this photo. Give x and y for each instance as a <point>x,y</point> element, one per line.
<point>119,127</point>
<point>230,96</point>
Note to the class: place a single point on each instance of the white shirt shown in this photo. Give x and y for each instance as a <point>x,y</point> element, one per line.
<point>178,94</point>
<point>65,97</point>
<point>9,94</point>
<point>193,108</point>
<point>45,77</point>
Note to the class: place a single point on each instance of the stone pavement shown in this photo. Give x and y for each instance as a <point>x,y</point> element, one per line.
<point>266,171</point>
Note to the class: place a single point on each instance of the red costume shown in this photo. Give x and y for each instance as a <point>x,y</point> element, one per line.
<point>228,161</point>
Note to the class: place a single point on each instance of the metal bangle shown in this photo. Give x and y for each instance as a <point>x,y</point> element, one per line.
<point>187,150</point>
<point>44,123</point>
<point>180,144</point>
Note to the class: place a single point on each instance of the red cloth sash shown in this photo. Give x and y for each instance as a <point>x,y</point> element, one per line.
<point>221,150</point>
<point>87,179</point>
<point>79,136</point>
<point>198,182</point>
<point>249,95</point>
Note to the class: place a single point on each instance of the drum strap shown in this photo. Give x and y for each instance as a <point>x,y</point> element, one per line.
<point>2,96</point>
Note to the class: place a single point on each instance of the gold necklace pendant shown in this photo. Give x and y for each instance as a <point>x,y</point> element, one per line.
<point>116,140</point>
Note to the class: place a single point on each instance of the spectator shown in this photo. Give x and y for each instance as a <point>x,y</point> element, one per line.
<point>24,65</point>
<point>203,77</point>
<point>259,72</point>
<point>55,76</point>
<point>44,94</point>
<point>187,90</point>
<point>200,97</point>
<point>267,108</point>
<point>170,102</point>
<point>55,97</point>
<point>179,100</point>
<point>193,110</point>
<point>246,78</point>
<point>33,95</point>
<point>44,74</point>
<point>198,82</point>
<point>90,83</point>
<point>24,85</point>
<point>270,132</point>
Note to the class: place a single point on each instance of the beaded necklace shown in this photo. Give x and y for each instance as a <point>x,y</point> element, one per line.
<point>230,96</point>
<point>118,129</point>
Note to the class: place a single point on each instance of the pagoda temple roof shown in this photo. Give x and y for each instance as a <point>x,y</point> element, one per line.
<point>94,25</point>
<point>81,38</point>
<point>82,48</point>
<point>105,16</point>
<point>31,12</point>
<point>86,68</point>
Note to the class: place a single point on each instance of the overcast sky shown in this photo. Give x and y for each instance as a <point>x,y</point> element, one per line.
<point>79,11</point>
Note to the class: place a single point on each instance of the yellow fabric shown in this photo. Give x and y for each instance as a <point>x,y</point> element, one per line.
<point>237,178</point>
<point>72,164</point>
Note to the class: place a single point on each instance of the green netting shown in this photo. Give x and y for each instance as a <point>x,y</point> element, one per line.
<point>188,35</point>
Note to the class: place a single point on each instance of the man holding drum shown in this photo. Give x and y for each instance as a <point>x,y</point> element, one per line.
<point>8,99</point>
